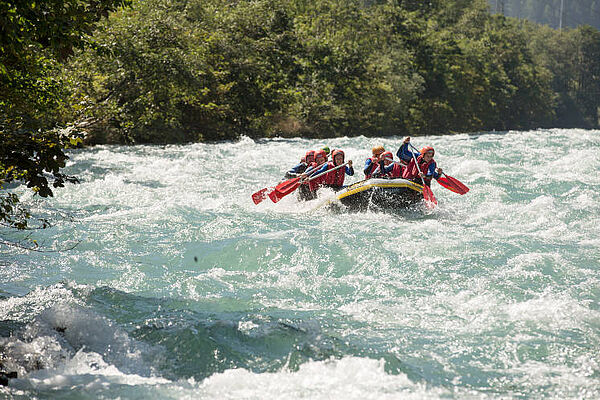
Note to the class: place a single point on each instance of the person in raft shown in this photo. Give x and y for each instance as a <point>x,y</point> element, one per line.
<point>333,179</point>
<point>427,167</point>
<point>305,162</point>
<point>404,153</point>
<point>305,190</point>
<point>387,167</point>
<point>372,162</point>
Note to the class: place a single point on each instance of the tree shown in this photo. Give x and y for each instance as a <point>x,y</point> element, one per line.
<point>34,38</point>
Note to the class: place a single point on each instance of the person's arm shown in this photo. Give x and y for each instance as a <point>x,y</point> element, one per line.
<point>298,168</point>
<point>308,171</point>
<point>383,169</point>
<point>404,153</point>
<point>322,169</point>
<point>379,170</point>
<point>368,166</point>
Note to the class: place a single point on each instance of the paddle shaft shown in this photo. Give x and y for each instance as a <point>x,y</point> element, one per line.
<point>326,172</point>
<point>289,187</point>
<point>417,166</point>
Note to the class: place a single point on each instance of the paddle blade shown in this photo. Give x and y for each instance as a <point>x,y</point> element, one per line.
<point>448,185</point>
<point>279,194</point>
<point>285,185</point>
<point>458,185</point>
<point>430,200</point>
<point>276,195</point>
<point>260,195</point>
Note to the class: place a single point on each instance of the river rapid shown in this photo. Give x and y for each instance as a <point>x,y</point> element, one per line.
<point>179,286</point>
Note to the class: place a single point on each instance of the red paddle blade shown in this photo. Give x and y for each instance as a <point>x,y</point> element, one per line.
<point>430,200</point>
<point>277,195</point>
<point>448,185</point>
<point>260,195</point>
<point>283,186</point>
<point>462,189</point>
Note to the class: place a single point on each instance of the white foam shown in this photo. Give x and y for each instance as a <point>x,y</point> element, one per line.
<point>84,371</point>
<point>348,378</point>
<point>53,337</point>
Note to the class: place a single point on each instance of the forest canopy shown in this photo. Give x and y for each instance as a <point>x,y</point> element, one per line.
<point>197,70</point>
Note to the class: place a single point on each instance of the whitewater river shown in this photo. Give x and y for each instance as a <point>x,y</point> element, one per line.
<point>180,287</point>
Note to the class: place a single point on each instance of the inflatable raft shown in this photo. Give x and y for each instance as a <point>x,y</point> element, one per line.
<point>384,194</point>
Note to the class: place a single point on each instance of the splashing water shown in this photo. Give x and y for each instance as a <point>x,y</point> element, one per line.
<point>181,287</point>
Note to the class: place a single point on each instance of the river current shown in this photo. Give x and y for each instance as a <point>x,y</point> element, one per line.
<point>179,286</point>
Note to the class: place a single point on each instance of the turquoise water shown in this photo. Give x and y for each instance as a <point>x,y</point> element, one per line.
<point>180,287</point>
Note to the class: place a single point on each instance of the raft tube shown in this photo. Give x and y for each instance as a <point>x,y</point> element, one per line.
<point>385,194</point>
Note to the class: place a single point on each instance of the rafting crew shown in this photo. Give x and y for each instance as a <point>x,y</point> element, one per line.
<point>418,166</point>
<point>381,164</point>
<point>307,190</point>
<point>334,179</point>
<point>427,167</point>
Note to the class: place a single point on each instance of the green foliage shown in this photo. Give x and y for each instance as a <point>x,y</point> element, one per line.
<point>572,58</point>
<point>34,38</point>
<point>255,68</point>
<point>174,70</point>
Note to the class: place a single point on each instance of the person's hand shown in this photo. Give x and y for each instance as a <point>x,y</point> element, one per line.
<point>406,140</point>
<point>349,163</point>
<point>422,175</point>
<point>439,171</point>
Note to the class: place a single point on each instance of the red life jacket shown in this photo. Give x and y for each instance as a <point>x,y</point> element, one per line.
<point>396,171</point>
<point>317,182</point>
<point>311,165</point>
<point>411,171</point>
<point>335,178</point>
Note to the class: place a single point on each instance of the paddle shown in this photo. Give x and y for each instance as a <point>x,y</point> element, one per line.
<point>259,196</point>
<point>262,194</point>
<point>287,187</point>
<point>430,200</point>
<point>452,184</point>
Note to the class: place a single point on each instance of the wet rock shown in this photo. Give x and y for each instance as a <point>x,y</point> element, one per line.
<point>5,376</point>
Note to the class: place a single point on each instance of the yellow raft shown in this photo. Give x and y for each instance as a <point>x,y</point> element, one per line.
<point>379,194</point>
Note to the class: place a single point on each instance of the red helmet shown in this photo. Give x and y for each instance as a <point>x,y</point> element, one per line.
<point>310,153</point>
<point>388,156</point>
<point>320,153</point>
<point>336,152</point>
